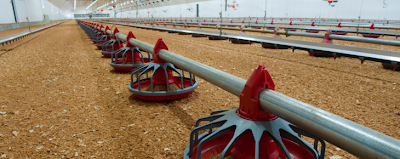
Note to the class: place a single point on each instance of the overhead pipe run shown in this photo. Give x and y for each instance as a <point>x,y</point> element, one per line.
<point>293,33</point>
<point>389,59</point>
<point>358,140</point>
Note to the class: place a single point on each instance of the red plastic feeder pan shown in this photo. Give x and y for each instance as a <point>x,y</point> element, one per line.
<point>156,80</point>
<point>132,57</point>
<point>371,35</point>
<point>111,46</point>
<point>312,31</point>
<point>287,29</point>
<point>104,37</point>
<point>339,32</point>
<point>249,132</point>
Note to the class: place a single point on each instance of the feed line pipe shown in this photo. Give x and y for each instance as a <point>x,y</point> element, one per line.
<point>348,38</point>
<point>292,33</point>
<point>356,139</point>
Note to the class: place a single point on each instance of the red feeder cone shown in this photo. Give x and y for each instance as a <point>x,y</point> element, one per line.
<point>249,132</point>
<point>156,80</point>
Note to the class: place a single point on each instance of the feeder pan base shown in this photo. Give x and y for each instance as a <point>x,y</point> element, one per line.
<point>290,29</point>
<point>126,67</point>
<point>271,28</point>
<point>370,35</point>
<point>162,30</point>
<point>172,32</point>
<point>198,35</point>
<point>162,95</point>
<point>389,66</point>
<point>181,33</point>
<point>236,41</point>
<point>272,46</point>
<point>216,38</point>
<point>312,31</point>
<point>322,54</point>
<point>339,33</point>
<point>244,147</point>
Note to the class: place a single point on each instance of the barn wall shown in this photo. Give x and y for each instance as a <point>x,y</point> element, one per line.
<point>31,9</point>
<point>346,9</point>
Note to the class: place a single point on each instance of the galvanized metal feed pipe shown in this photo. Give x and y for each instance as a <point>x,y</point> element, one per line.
<point>293,33</point>
<point>359,140</point>
<point>348,38</point>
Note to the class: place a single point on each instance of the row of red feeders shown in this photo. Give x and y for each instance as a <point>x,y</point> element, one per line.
<point>160,80</point>
<point>111,46</point>
<point>122,58</point>
<point>157,80</point>
<point>102,37</point>
<point>249,132</point>
<point>131,56</point>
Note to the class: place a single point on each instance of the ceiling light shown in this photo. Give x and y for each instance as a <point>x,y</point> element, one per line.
<point>74,4</point>
<point>91,4</point>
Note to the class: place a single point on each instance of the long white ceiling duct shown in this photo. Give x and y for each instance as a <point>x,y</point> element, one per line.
<point>74,4</point>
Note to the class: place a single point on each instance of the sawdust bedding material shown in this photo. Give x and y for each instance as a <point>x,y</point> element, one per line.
<point>65,100</point>
<point>159,88</point>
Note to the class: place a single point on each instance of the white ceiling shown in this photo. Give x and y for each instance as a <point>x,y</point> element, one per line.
<point>68,5</point>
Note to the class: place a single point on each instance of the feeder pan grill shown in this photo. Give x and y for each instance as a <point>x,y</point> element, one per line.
<point>231,26</point>
<point>216,38</point>
<point>198,35</point>
<point>157,71</point>
<point>172,32</point>
<point>112,46</point>
<point>96,33</point>
<point>161,84</point>
<point>101,40</point>
<point>234,136</point>
<point>249,132</point>
<point>129,54</point>
<point>312,31</point>
<point>371,35</point>
<point>271,28</point>
<point>237,41</point>
<point>97,36</point>
<point>274,46</point>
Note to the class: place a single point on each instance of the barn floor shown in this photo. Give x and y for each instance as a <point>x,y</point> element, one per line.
<point>60,98</point>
